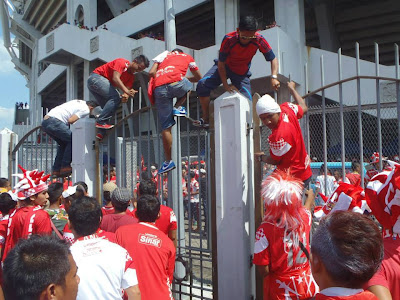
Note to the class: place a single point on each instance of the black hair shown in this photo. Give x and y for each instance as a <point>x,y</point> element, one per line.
<point>6,203</point>
<point>148,208</point>
<point>355,165</point>
<point>192,174</point>
<point>82,184</point>
<point>177,50</point>
<point>3,182</point>
<point>33,264</point>
<point>92,103</point>
<point>85,215</point>
<point>145,175</point>
<point>141,59</point>
<point>147,187</point>
<point>248,23</point>
<point>119,206</point>
<point>55,190</point>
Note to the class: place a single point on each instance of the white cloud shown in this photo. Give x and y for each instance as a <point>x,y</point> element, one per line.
<point>6,65</point>
<point>6,117</point>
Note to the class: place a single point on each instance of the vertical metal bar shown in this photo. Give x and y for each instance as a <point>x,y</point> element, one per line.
<point>123,163</point>
<point>148,143</point>
<point>32,164</point>
<point>341,115</point>
<point>140,135</point>
<point>307,116</point>
<point>360,137</point>
<point>132,182</point>
<point>324,127</point>
<point>47,156</point>
<point>378,106</point>
<point>40,145</point>
<point>396,55</point>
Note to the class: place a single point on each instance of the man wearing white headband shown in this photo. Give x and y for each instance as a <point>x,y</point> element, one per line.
<point>286,143</point>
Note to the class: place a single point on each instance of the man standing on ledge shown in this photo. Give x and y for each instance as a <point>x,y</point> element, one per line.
<point>235,55</point>
<point>286,143</point>
<point>104,82</point>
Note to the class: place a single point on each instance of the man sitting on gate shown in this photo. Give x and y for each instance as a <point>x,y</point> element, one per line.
<point>169,70</point>
<point>287,149</point>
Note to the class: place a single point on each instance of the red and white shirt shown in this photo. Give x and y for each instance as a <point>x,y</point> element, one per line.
<point>24,222</point>
<point>172,67</point>
<point>238,57</point>
<point>121,66</point>
<point>289,269</point>
<point>70,238</point>
<point>3,229</point>
<point>340,293</point>
<point>194,188</point>
<point>104,268</point>
<point>331,184</point>
<point>154,256</point>
<point>107,210</point>
<point>287,144</point>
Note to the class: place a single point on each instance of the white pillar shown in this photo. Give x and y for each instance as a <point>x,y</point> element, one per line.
<point>72,83</point>
<point>86,73</point>
<point>226,18</point>
<point>234,196</point>
<point>5,139</point>
<point>83,153</point>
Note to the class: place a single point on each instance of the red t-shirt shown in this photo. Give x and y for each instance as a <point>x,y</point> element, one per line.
<point>365,295</point>
<point>172,67</point>
<point>3,230</point>
<point>153,254</point>
<point>24,222</point>
<point>112,222</point>
<point>238,57</point>
<point>166,221</point>
<point>121,66</point>
<point>354,178</point>
<point>107,210</point>
<point>287,144</point>
<point>289,269</point>
<point>389,273</point>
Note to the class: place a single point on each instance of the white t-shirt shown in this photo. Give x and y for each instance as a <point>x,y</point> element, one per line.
<point>331,184</point>
<point>66,110</point>
<point>104,268</point>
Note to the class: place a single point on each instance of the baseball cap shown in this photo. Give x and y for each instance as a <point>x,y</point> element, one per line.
<point>202,171</point>
<point>121,195</point>
<point>109,187</point>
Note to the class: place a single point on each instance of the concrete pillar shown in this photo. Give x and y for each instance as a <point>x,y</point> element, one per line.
<point>234,196</point>
<point>72,83</point>
<point>226,18</point>
<point>86,73</point>
<point>83,153</point>
<point>326,27</point>
<point>6,137</point>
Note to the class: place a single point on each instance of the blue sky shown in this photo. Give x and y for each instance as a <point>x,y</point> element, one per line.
<point>12,86</point>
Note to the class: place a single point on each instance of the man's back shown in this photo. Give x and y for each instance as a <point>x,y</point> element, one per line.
<point>154,256</point>
<point>104,268</point>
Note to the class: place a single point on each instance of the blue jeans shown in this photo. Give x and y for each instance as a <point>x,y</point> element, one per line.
<point>164,95</point>
<point>61,133</point>
<point>106,96</point>
<point>211,80</point>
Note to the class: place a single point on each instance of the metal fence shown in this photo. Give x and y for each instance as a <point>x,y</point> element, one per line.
<point>134,148</point>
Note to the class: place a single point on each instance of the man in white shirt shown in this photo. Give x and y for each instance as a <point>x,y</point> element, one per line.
<point>56,125</point>
<point>105,269</point>
<point>331,184</point>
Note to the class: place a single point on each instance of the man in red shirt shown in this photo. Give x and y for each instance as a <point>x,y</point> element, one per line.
<point>7,206</point>
<point>287,149</point>
<point>169,70</point>
<point>151,250</point>
<point>106,79</point>
<point>30,219</point>
<point>235,55</point>
<point>282,240</point>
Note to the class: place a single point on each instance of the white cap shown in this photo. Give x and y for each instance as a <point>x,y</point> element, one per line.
<point>266,104</point>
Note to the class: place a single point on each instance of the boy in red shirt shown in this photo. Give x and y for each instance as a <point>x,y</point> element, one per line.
<point>346,251</point>
<point>169,70</point>
<point>287,149</point>
<point>30,219</point>
<point>7,206</point>
<point>281,247</point>
<point>151,250</point>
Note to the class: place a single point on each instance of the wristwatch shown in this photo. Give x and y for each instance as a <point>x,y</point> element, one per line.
<point>260,158</point>
<point>274,76</point>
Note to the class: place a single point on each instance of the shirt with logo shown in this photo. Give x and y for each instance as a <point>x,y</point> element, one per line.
<point>238,56</point>
<point>287,144</point>
<point>121,66</point>
<point>154,256</point>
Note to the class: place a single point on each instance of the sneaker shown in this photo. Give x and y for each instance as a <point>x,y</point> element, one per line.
<point>66,171</point>
<point>167,166</point>
<point>99,136</point>
<point>104,126</point>
<point>179,111</point>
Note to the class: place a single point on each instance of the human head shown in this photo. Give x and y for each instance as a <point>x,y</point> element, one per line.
<point>84,216</point>
<point>148,208</point>
<point>347,248</point>
<point>268,111</point>
<point>192,174</point>
<point>82,184</point>
<point>91,104</point>
<point>147,187</point>
<point>55,192</point>
<point>108,188</point>
<point>177,50</point>
<point>355,166</point>
<point>337,174</point>
<point>71,194</point>
<point>139,63</point>
<point>282,196</point>
<point>5,183</point>
<point>248,26</point>
<point>6,203</point>
<point>120,199</point>
<point>40,266</point>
